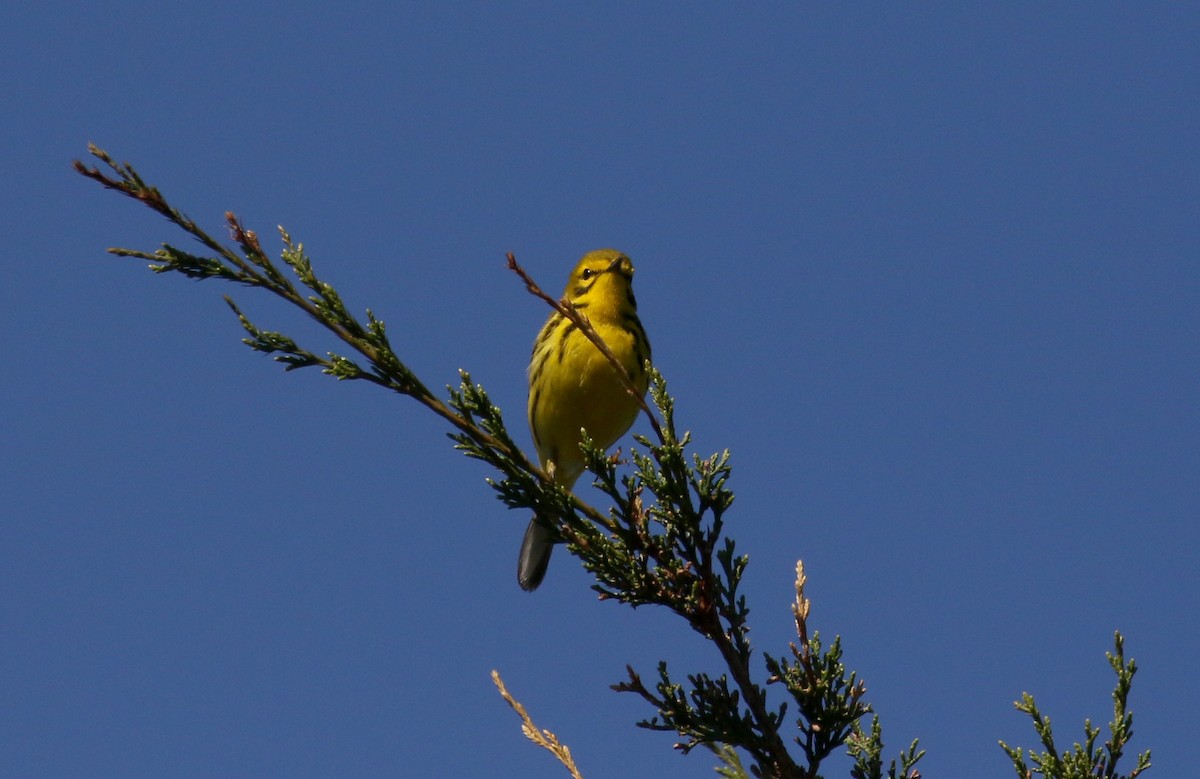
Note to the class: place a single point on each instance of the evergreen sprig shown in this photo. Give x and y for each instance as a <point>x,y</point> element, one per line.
<point>1086,760</point>
<point>867,751</point>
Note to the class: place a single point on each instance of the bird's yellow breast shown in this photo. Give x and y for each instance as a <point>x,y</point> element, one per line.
<point>580,389</point>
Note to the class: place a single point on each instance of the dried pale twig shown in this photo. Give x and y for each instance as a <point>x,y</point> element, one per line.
<point>543,738</point>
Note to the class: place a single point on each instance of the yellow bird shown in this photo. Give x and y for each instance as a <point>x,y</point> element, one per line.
<point>573,386</point>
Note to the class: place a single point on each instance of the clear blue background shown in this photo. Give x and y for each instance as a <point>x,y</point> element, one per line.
<point>932,273</point>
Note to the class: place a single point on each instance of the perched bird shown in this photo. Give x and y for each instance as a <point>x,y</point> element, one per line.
<point>573,386</point>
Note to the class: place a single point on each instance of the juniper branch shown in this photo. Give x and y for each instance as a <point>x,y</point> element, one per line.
<point>662,541</point>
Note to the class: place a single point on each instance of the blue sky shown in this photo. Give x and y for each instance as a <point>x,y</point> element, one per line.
<point>930,273</point>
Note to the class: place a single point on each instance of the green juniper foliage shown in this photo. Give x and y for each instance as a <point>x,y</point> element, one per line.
<point>1086,760</point>
<point>867,751</point>
<point>660,543</point>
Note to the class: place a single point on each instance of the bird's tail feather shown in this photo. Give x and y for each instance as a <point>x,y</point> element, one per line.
<point>535,555</point>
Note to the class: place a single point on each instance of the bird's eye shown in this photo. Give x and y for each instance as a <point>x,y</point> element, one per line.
<point>587,274</point>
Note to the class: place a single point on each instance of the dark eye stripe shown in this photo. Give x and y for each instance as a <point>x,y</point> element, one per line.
<point>588,276</point>
<point>581,289</point>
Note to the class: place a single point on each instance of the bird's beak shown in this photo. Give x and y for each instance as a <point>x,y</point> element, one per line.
<point>622,265</point>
